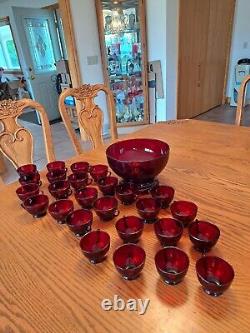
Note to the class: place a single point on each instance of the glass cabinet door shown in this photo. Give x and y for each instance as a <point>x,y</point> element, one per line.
<point>124,58</point>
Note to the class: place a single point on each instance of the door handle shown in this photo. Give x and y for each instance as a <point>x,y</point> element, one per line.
<point>199,76</point>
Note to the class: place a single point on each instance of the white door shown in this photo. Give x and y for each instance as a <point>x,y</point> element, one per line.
<point>39,51</point>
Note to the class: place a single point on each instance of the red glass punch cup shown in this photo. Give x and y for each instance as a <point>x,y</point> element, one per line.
<point>126,193</point>
<point>37,206</point>
<point>60,189</point>
<point>79,180</point>
<point>54,176</point>
<point>148,209</point>
<point>214,274</point>
<point>95,245</point>
<point>184,211</point>
<point>80,167</point>
<point>55,166</point>
<point>163,194</point>
<point>30,179</point>
<point>108,185</point>
<point>80,221</point>
<point>172,264</point>
<point>168,231</point>
<point>99,171</point>
<point>204,235</point>
<point>106,208</point>
<point>26,191</point>
<point>86,197</point>
<point>130,228</point>
<point>27,169</point>
<point>129,260</point>
<point>60,209</point>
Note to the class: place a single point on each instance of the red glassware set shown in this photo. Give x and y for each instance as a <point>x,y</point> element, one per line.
<point>137,161</point>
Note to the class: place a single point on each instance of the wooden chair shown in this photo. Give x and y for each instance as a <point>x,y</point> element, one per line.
<point>241,100</point>
<point>16,142</point>
<point>90,116</point>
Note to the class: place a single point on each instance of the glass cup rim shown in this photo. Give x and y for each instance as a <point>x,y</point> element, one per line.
<point>131,233</point>
<point>106,210</point>
<point>126,245</point>
<point>199,239</point>
<point>175,248</point>
<point>80,210</point>
<point>94,231</point>
<point>166,236</point>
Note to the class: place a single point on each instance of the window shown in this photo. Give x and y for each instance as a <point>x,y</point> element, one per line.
<point>8,54</point>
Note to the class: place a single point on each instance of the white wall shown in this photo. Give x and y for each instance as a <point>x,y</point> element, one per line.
<point>241,35</point>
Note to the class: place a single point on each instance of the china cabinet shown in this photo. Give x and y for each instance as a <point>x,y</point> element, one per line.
<point>124,57</point>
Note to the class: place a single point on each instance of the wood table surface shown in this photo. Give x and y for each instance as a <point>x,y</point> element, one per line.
<point>47,285</point>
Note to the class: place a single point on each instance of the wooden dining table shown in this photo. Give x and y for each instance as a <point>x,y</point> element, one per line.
<point>47,285</point>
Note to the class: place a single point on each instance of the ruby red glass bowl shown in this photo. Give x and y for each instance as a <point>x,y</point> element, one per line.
<point>99,171</point>
<point>126,193</point>
<point>86,197</point>
<point>168,231</point>
<point>27,169</point>
<point>56,165</point>
<point>108,185</point>
<point>172,264</point>
<point>79,180</point>
<point>80,167</point>
<point>130,228</point>
<point>148,209</point>
<point>129,260</point>
<point>60,209</point>
<point>204,235</point>
<point>26,191</point>
<point>214,274</point>
<point>60,189</point>
<point>138,160</point>
<point>37,205</point>
<point>163,194</point>
<point>80,221</point>
<point>95,245</point>
<point>106,208</point>
<point>184,211</point>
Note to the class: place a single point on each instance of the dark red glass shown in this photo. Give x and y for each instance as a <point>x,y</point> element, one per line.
<point>106,208</point>
<point>55,176</point>
<point>163,194</point>
<point>80,167</point>
<point>215,274</point>
<point>108,185</point>
<point>30,179</point>
<point>129,260</point>
<point>86,197</point>
<point>56,165</point>
<point>60,189</point>
<point>95,245</point>
<point>80,221</point>
<point>130,228</point>
<point>126,193</point>
<point>172,264</point>
<point>60,209</point>
<point>138,160</point>
<point>148,209</point>
<point>27,169</point>
<point>37,205</point>
<point>99,171</point>
<point>79,180</point>
<point>168,231</point>
<point>26,191</point>
<point>184,211</point>
<point>204,235</point>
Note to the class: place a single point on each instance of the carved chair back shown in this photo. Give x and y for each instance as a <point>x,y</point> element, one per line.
<point>241,99</point>
<point>16,142</point>
<point>90,117</point>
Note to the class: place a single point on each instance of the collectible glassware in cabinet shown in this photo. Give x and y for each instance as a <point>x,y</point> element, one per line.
<point>123,44</point>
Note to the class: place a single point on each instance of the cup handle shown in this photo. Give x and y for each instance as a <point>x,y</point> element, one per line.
<point>70,191</point>
<point>90,181</point>
<point>117,212</point>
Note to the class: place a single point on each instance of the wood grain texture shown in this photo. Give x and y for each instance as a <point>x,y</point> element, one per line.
<point>241,100</point>
<point>16,142</point>
<point>47,285</point>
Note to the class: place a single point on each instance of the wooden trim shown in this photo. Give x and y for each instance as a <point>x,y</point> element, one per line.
<point>52,7</point>
<point>230,33</point>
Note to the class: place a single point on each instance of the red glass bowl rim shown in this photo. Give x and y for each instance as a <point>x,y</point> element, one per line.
<point>131,233</point>
<point>176,221</point>
<point>135,246</point>
<point>109,155</point>
<point>38,203</point>
<point>91,232</point>
<point>55,162</point>
<point>177,202</point>
<point>204,222</point>
<point>215,258</point>
<point>173,248</point>
<point>26,166</point>
<point>158,206</point>
<point>86,197</point>
<point>98,166</point>
<point>106,210</point>
<point>51,206</point>
<point>79,210</point>
<point>79,162</point>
